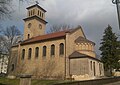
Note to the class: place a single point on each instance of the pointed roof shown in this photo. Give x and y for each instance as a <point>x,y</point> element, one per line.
<point>78,27</point>
<point>76,55</point>
<point>36,5</point>
<point>82,40</point>
<point>44,37</point>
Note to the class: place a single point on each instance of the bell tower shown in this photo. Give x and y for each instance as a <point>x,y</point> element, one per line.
<point>35,23</point>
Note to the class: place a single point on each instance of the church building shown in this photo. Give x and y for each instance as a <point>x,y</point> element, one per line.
<point>59,55</point>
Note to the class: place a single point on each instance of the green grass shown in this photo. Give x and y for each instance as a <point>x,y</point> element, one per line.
<point>6,81</point>
<point>48,82</point>
<point>45,82</point>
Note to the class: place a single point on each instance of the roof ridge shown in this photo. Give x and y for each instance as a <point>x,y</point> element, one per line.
<point>49,36</point>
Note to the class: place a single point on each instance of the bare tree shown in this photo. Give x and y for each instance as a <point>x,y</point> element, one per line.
<point>1,44</point>
<point>10,36</point>
<point>5,8</point>
<point>57,28</point>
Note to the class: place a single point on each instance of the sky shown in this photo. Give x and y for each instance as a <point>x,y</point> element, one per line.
<point>92,15</point>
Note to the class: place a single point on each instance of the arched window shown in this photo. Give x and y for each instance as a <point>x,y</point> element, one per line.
<point>52,50</point>
<point>29,53</point>
<point>91,64</point>
<point>44,50</point>
<point>33,11</point>
<point>36,52</point>
<point>29,13</point>
<point>28,36</point>
<point>38,12</point>
<point>23,54</point>
<point>94,68</point>
<point>61,49</point>
<point>100,68</point>
<point>42,15</point>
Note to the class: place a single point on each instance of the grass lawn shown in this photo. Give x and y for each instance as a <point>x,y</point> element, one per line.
<point>45,82</point>
<point>6,81</point>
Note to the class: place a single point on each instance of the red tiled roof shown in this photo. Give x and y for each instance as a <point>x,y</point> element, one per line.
<point>45,37</point>
<point>49,36</point>
<point>82,39</point>
<point>77,55</point>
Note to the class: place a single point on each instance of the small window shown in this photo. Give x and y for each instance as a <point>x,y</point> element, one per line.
<point>52,50</point>
<point>29,13</point>
<point>44,50</point>
<point>91,64</point>
<point>94,68</point>
<point>13,67</point>
<point>42,15</point>
<point>29,25</point>
<point>36,52</point>
<point>40,26</point>
<point>29,53</point>
<point>23,54</point>
<point>100,68</point>
<point>38,12</point>
<point>33,11</point>
<point>28,36</point>
<point>61,49</point>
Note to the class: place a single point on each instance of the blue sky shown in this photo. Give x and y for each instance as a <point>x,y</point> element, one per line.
<point>92,15</point>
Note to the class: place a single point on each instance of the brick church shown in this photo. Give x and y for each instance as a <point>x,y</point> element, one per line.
<point>61,55</point>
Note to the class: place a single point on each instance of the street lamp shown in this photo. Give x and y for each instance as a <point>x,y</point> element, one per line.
<point>117,2</point>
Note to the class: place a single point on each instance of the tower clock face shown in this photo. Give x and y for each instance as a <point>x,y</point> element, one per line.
<point>40,26</point>
<point>29,25</point>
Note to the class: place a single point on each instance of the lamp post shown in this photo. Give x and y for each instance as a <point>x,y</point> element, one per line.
<point>117,2</point>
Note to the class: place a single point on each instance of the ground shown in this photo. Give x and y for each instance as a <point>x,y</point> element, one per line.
<point>115,83</point>
<point>6,81</point>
